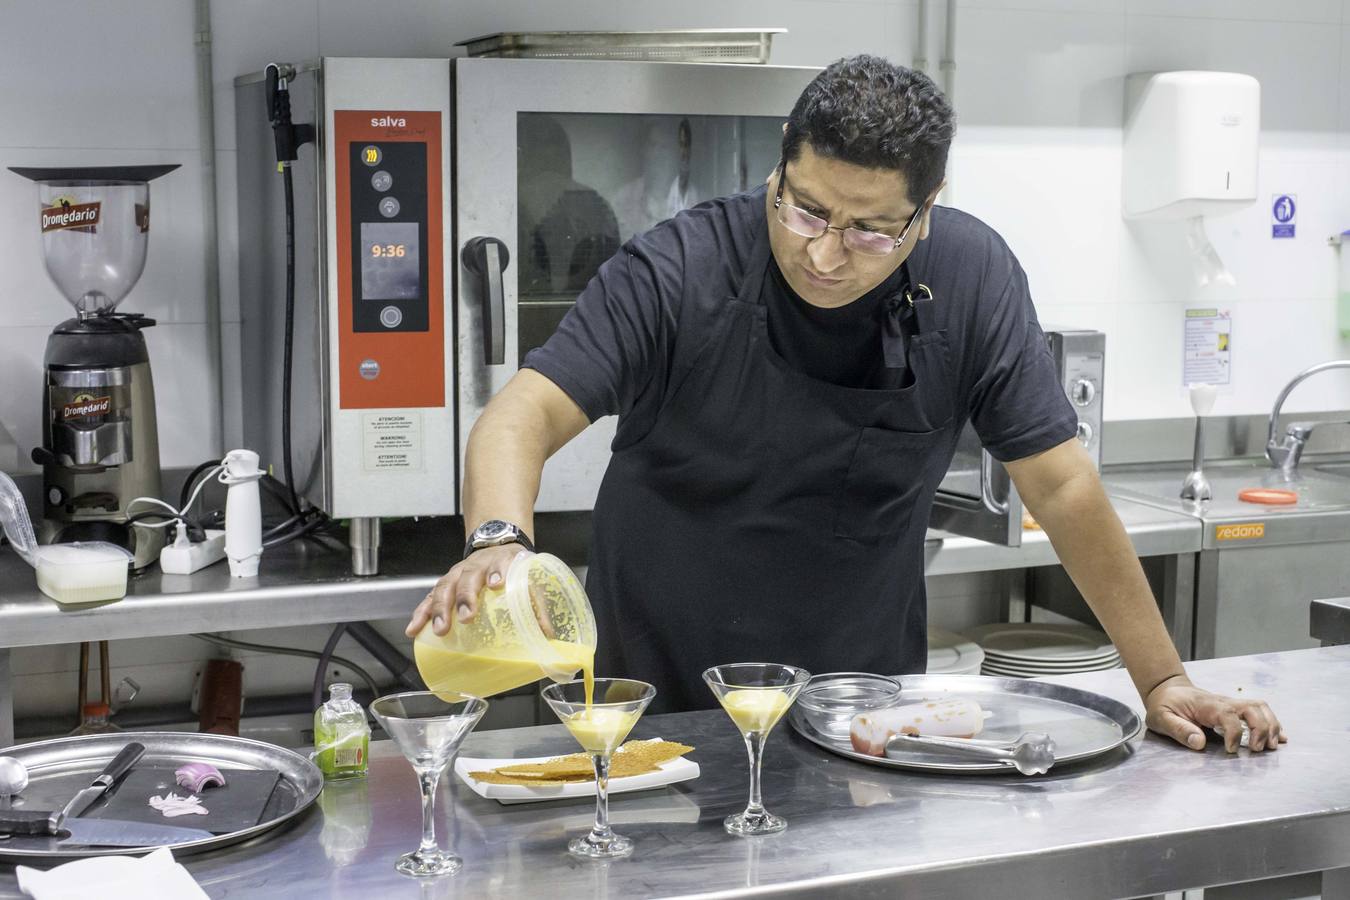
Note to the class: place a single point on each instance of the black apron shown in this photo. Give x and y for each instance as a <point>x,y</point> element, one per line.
<point>767,516</point>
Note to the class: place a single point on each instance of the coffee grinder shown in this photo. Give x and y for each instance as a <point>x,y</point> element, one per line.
<point>100,445</point>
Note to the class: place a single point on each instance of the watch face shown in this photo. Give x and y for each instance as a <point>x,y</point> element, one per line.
<point>492,529</point>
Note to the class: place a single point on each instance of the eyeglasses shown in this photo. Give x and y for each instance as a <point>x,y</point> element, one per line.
<point>801,222</point>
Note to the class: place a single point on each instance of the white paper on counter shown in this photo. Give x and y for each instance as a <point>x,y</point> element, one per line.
<point>118,878</point>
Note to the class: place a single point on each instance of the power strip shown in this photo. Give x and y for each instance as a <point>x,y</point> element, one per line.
<point>183,557</point>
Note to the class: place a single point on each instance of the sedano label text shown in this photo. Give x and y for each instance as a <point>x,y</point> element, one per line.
<point>1244,531</point>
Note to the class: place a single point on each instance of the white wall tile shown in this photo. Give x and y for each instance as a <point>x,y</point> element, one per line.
<point>1343,119</point>
<point>185,393</point>
<point>1054,197</point>
<point>1275,339</point>
<point>91,75</point>
<point>1023,68</point>
<point>246,35</point>
<point>1297,64</point>
<point>232,394</point>
<point>1093,6</point>
<point>21,386</point>
<point>1321,11</point>
<point>1143,363</point>
<point>227,232</point>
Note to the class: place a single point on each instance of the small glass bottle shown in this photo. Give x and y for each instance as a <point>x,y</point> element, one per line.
<point>341,736</point>
<point>94,720</point>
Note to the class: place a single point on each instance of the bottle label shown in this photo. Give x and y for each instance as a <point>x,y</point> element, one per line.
<point>345,757</point>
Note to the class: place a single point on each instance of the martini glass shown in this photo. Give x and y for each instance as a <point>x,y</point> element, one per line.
<point>600,728</point>
<point>755,695</point>
<point>428,728</point>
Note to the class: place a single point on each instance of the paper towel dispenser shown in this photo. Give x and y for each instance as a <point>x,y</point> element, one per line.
<point>1190,144</point>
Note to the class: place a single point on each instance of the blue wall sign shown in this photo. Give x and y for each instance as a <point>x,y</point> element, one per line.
<point>1283,215</point>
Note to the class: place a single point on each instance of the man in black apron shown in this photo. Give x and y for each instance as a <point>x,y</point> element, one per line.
<point>791,368</point>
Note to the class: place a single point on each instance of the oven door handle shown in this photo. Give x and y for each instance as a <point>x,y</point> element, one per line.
<point>487,258</point>
<point>991,503</point>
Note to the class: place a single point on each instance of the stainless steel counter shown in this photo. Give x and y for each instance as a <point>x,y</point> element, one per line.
<point>1153,532</point>
<point>310,583</point>
<point>1149,818</point>
<point>1330,620</point>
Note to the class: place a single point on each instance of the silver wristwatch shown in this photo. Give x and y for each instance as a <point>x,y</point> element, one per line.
<point>495,533</point>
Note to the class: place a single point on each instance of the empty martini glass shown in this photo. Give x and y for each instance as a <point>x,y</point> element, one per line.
<point>755,695</point>
<point>600,728</point>
<point>428,728</point>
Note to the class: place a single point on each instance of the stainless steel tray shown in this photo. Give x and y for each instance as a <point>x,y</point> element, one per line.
<point>748,46</point>
<point>1082,724</point>
<point>58,768</point>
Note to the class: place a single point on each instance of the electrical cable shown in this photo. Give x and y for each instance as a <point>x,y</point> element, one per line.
<point>316,695</point>
<point>292,651</point>
<point>286,353</point>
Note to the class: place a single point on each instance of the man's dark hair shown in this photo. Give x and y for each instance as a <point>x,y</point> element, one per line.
<point>869,112</point>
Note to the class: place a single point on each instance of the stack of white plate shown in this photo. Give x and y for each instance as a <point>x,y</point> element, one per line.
<point>1026,650</point>
<point>951,654</point>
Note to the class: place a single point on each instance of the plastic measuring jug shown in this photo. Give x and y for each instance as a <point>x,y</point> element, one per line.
<point>539,626</point>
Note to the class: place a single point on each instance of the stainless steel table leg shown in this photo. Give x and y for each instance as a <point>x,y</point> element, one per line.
<point>1336,884</point>
<point>6,699</point>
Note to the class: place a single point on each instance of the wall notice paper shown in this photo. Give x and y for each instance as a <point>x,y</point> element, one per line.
<point>1208,347</point>
<point>393,441</point>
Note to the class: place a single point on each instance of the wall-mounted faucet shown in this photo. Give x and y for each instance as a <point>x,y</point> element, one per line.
<point>1285,454</point>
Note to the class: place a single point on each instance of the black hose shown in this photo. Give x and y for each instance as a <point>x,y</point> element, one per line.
<point>191,482</point>
<point>386,654</point>
<point>322,666</point>
<point>286,353</point>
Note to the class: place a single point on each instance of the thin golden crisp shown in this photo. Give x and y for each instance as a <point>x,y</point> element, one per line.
<point>633,758</point>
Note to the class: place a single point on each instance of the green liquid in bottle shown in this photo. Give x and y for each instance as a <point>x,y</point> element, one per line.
<point>341,736</point>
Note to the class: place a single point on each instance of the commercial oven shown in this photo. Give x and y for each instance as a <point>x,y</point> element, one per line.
<point>446,216</point>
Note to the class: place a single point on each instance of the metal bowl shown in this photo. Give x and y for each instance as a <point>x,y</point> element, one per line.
<point>845,694</point>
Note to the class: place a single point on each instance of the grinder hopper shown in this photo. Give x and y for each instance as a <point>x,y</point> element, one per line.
<point>100,446</point>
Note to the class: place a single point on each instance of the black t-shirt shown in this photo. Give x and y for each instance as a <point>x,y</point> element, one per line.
<point>615,349</point>
<point>840,345</point>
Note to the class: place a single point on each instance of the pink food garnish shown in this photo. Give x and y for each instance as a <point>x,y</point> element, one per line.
<point>196,776</point>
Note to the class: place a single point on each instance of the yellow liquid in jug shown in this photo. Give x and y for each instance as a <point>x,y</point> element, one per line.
<point>490,671</point>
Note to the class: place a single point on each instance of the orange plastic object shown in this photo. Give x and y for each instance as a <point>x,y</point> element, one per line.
<point>1268,496</point>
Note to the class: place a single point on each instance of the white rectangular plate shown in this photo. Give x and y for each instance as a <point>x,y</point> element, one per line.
<point>677,770</point>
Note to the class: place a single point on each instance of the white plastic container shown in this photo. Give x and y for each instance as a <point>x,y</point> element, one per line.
<point>82,573</point>
<point>68,573</point>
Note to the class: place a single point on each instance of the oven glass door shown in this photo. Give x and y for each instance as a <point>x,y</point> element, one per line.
<point>557,163</point>
<point>587,182</point>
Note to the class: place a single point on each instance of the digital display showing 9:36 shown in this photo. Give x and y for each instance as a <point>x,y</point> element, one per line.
<point>390,261</point>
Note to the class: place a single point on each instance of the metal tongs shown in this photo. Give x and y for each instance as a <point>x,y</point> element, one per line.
<point>1033,753</point>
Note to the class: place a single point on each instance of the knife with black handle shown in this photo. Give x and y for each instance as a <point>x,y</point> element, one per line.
<point>17,821</point>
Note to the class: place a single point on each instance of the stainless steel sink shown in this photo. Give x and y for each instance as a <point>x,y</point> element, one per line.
<point>1260,566</point>
<point>1322,488</point>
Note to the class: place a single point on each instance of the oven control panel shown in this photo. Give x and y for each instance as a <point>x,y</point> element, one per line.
<point>1080,357</point>
<point>390,266</point>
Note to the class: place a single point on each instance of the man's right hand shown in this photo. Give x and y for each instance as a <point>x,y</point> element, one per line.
<point>458,589</point>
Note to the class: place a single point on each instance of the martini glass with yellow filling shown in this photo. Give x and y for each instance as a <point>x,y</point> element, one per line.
<point>755,695</point>
<point>600,725</point>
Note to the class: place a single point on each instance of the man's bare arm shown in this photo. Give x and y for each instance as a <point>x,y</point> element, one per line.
<point>525,424</point>
<point>1062,490</point>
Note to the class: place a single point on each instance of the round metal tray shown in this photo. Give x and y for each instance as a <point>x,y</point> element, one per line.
<point>58,768</point>
<point>1082,724</point>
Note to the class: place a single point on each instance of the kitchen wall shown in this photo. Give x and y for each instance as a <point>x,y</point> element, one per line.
<point>1039,95</point>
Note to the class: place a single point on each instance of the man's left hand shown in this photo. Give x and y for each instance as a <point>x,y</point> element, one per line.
<point>1178,709</point>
